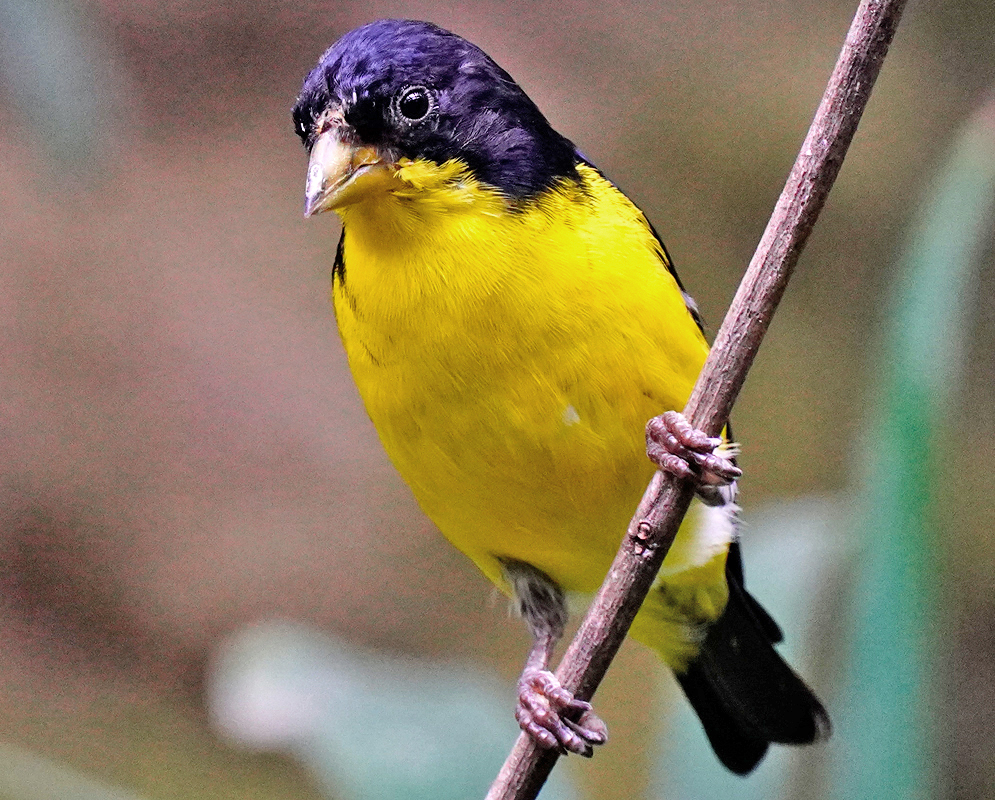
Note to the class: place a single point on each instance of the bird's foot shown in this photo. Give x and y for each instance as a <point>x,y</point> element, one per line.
<point>544,712</point>
<point>682,450</point>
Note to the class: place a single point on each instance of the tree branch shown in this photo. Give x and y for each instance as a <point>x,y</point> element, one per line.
<point>666,500</point>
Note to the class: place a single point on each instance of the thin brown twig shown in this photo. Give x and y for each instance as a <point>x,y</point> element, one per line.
<point>666,500</point>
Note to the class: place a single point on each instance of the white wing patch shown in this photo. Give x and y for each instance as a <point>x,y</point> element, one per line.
<point>710,532</point>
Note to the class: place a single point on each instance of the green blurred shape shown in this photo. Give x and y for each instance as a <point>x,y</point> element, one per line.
<point>887,717</point>
<point>368,726</point>
<point>29,776</point>
<point>52,69</point>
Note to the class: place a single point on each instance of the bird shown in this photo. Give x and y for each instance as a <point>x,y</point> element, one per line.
<point>511,320</point>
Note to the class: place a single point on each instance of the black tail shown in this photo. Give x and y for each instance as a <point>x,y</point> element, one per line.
<point>745,694</point>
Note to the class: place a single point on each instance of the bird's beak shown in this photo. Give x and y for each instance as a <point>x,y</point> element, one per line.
<point>340,173</point>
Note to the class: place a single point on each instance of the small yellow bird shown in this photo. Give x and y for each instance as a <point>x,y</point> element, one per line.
<point>512,321</point>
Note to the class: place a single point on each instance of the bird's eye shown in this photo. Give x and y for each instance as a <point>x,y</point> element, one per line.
<point>300,126</point>
<point>414,103</point>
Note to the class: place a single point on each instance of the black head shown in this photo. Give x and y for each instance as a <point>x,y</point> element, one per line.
<point>414,90</point>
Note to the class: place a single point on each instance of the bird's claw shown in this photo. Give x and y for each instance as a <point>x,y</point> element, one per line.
<point>682,450</point>
<point>545,712</point>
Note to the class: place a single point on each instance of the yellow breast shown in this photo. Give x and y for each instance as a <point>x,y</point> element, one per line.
<point>509,357</point>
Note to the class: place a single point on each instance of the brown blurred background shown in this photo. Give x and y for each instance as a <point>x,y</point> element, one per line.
<point>184,452</point>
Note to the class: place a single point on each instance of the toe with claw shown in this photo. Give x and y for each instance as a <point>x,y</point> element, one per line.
<point>682,450</point>
<point>554,717</point>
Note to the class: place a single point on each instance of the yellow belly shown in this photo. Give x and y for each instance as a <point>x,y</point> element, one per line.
<point>509,362</point>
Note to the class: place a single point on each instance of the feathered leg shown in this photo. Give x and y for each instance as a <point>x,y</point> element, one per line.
<point>546,711</point>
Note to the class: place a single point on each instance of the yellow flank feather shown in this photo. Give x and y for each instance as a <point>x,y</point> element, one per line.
<point>510,356</point>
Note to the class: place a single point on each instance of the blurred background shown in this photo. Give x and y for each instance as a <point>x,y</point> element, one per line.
<point>185,459</point>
